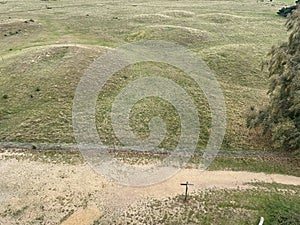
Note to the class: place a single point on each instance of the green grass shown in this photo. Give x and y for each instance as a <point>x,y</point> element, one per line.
<point>232,37</point>
<point>43,62</point>
<point>223,207</point>
<point>257,164</point>
<point>148,108</point>
<point>291,2</point>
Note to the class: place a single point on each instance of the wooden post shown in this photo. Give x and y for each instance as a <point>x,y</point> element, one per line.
<point>186,189</point>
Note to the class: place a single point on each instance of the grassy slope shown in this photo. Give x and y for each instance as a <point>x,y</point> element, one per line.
<point>232,37</point>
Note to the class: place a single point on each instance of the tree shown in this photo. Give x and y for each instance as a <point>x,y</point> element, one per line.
<point>281,118</point>
<point>286,11</point>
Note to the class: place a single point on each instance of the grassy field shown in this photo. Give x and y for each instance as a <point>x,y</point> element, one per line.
<point>45,47</point>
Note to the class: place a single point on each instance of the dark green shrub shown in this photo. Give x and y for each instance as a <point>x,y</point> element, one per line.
<point>282,211</point>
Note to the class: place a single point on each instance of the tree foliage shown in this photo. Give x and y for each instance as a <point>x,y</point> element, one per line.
<point>285,11</point>
<point>281,118</point>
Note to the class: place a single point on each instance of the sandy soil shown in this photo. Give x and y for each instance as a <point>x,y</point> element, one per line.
<point>56,193</point>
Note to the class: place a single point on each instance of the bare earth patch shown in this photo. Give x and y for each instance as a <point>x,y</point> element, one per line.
<point>60,193</point>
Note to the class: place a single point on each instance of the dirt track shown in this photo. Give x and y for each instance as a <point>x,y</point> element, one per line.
<point>33,190</point>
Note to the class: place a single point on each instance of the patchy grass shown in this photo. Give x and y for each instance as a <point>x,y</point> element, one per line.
<point>232,37</point>
<point>40,86</point>
<point>265,164</point>
<point>146,109</point>
<point>278,165</point>
<point>45,156</point>
<point>214,206</point>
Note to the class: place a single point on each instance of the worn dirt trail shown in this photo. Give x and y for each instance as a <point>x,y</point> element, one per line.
<point>31,189</point>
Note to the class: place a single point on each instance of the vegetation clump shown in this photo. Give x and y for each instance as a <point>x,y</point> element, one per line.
<point>5,96</point>
<point>281,117</point>
<point>285,11</point>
